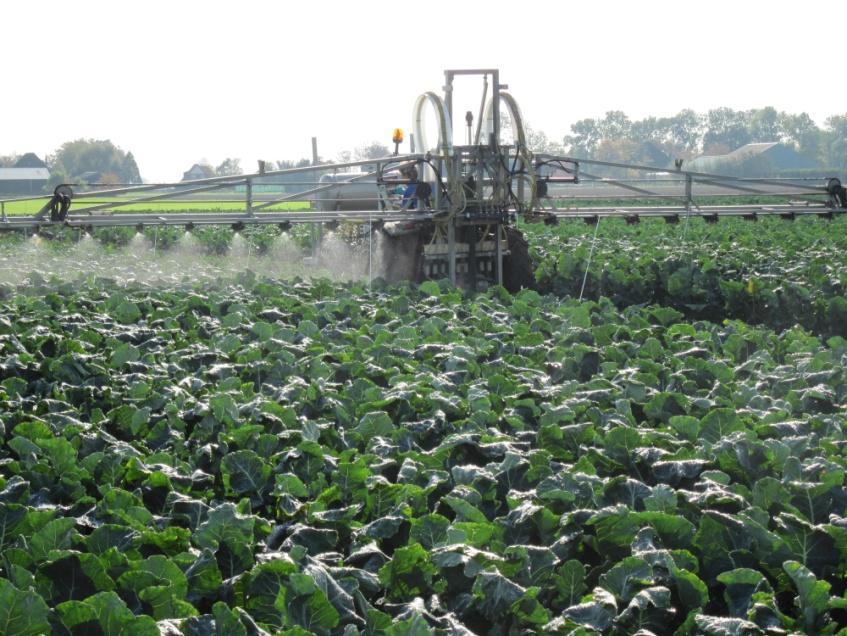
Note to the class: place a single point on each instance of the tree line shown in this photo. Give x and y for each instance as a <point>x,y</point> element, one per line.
<point>618,138</point>
<point>99,159</point>
<point>615,137</point>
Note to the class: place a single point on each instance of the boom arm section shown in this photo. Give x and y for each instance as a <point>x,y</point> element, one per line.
<point>567,190</point>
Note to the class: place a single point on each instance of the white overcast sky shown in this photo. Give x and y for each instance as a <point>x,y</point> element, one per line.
<point>184,80</point>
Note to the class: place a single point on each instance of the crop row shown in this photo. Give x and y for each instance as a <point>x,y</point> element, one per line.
<point>772,272</point>
<point>250,455</point>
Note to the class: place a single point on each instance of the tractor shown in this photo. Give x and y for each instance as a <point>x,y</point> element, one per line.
<point>468,198</point>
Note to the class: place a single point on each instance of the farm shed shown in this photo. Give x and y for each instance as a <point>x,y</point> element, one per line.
<point>29,175</point>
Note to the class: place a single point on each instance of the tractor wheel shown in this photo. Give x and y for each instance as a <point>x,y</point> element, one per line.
<point>518,270</point>
<point>401,258</point>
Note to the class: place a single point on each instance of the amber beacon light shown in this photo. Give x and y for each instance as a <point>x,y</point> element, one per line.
<point>397,138</point>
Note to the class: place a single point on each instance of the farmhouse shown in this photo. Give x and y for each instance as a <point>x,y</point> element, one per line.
<point>198,171</point>
<point>29,175</point>
<point>757,159</point>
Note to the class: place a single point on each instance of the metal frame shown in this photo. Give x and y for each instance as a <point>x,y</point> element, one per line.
<point>104,214</point>
<point>807,196</point>
<point>451,74</point>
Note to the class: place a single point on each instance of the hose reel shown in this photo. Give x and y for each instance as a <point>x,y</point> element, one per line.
<point>525,170</point>
<point>837,193</point>
<point>58,206</point>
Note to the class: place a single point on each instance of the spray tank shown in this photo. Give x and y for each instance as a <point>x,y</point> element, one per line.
<point>361,194</point>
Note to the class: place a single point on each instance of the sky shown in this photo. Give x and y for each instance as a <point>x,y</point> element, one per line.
<point>185,81</point>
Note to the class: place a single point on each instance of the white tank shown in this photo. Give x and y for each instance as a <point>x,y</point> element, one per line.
<point>359,195</point>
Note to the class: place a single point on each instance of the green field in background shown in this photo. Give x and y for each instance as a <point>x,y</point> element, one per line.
<point>16,208</point>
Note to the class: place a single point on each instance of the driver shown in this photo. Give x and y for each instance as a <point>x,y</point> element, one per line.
<point>410,194</point>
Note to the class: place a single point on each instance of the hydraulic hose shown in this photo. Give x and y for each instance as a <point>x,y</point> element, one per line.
<point>522,151</point>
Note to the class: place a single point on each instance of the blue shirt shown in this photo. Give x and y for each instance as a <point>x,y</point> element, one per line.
<point>410,199</point>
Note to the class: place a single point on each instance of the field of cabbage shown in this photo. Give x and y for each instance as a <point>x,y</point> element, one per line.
<point>771,272</point>
<point>203,450</point>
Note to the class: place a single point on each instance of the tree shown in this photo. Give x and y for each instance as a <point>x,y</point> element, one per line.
<point>616,138</point>
<point>586,136</point>
<point>74,158</point>
<point>764,124</point>
<point>649,129</point>
<point>589,133</point>
<point>373,150</point>
<point>287,164</point>
<point>228,167</point>
<point>537,141</point>
<point>615,125</point>
<point>57,177</point>
<point>685,132</point>
<point>300,181</point>
<point>614,150</point>
<point>8,161</point>
<point>130,169</point>
<point>836,141</point>
<point>678,136</point>
<point>801,132</point>
<point>726,130</point>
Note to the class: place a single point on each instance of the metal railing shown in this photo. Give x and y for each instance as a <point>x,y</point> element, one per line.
<point>112,206</point>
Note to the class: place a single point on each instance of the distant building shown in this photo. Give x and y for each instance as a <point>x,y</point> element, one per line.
<point>29,175</point>
<point>30,160</point>
<point>198,171</point>
<point>758,159</point>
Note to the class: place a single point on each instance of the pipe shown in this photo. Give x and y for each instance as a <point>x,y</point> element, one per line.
<point>480,119</point>
<point>445,126</point>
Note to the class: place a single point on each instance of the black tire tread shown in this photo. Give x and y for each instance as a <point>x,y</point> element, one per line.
<point>398,265</point>
<point>518,269</point>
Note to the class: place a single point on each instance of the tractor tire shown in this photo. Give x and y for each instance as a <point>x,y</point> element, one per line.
<point>518,269</point>
<point>402,258</point>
